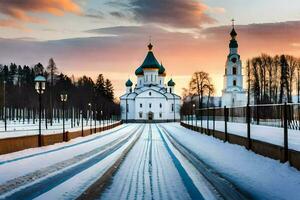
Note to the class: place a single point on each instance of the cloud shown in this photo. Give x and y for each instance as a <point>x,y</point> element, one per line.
<point>183,14</point>
<point>19,11</point>
<point>120,50</point>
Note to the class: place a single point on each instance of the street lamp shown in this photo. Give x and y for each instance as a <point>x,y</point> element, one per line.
<point>95,120</point>
<point>40,87</point>
<point>4,105</point>
<point>101,118</point>
<point>193,113</point>
<point>81,114</point>
<point>63,99</point>
<point>90,116</point>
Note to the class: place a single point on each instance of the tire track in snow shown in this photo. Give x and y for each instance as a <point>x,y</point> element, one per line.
<point>135,175</point>
<point>158,182</point>
<point>126,179</point>
<point>142,167</point>
<point>150,164</point>
<point>187,181</point>
<point>222,186</point>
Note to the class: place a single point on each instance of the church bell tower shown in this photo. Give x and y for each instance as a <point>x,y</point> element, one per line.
<point>233,93</point>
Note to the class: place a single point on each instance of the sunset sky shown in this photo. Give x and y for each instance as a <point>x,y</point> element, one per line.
<point>110,36</point>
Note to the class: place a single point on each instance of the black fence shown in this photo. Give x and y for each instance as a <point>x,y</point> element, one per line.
<point>285,116</point>
<point>74,117</point>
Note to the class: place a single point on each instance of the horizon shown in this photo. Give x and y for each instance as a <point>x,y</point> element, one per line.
<point>89,38</point>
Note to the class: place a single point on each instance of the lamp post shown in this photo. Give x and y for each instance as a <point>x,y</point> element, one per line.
<point>90,116</point>
<point>194,113</point>
<point>95,120</point>
<point>81,113</point>
<point>101,113</point>
<point>40,87</point>
<point>4,105</point>
<point>63,99</point>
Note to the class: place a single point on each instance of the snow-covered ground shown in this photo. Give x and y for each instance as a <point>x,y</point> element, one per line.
<point>30,172</point>
<point>155,168</point>
<point>269,134</point>
<point>151,171</point>
<point>261,177</point>
<point>18,128</point>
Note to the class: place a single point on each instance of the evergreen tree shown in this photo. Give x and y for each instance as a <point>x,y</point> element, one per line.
<point>109,90</point>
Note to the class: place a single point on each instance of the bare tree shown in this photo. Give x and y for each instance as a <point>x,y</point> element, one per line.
<point>200,85</point>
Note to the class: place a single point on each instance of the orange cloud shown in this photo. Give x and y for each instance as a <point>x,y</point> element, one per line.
<point>18,11</point>
<point>122,49</point>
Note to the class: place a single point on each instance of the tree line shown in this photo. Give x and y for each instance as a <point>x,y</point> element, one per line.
<point>273,79</point>
<point>20,91</point>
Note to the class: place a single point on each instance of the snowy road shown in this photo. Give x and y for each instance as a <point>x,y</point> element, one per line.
<point>155,169</point>
<point>166,161</point>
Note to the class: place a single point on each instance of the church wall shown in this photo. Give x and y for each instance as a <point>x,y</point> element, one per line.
<point>151,76</point>
<point>131,109</point>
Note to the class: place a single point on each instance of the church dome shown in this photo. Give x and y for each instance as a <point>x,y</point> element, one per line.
<point>233,44</point>
<point>150,62</point>
<point>171,83</point>
<point>128,83</point>
<point>161,69</point>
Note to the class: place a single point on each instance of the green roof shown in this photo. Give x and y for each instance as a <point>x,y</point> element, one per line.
<point>150,62</point>
<point>171,83</point>
<point>128,83</point>
<point>233,44</point>
<point>161,69</point>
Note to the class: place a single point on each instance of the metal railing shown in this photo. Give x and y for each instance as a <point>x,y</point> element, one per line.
<point>285,116</point>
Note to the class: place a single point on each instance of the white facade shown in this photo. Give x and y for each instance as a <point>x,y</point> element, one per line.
<point>233,93</point>
<point>151,99</point>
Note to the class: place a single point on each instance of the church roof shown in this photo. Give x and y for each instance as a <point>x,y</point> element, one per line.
<point>171,83</point>
<point>128,83</point>
<point>149,63</point>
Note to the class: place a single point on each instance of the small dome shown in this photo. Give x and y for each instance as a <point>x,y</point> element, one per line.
<point>161,69</point>
<point>128,83</point>
<point>139,71</point>
<point>171,83</point>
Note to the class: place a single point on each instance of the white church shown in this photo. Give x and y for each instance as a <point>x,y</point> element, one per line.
<point>150,99</point>
<point>233,93</point>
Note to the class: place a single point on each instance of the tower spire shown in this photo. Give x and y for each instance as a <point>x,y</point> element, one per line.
<point>233,34</point>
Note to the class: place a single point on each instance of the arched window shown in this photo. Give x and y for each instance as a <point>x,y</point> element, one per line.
<point>234,82</point>
<point>234,70</point>
<point>150,93</point>
<point>160,105</point>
